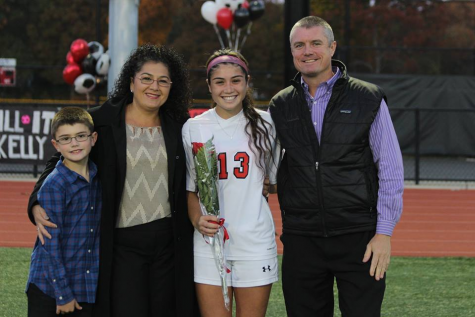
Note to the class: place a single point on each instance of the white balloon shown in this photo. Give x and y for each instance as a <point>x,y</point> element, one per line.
<point>209,11</point>
<point>220,4</point>
<point>232,4</point>
<point>84,84</point>
<point>103,63</point>
<point>95,49</point>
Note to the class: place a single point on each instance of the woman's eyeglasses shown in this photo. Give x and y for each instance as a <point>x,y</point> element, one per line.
<point>163,82</point>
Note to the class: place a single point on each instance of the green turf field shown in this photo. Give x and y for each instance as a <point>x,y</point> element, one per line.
<point>415,287</point>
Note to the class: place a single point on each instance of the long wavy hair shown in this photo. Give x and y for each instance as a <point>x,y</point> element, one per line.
<point>256,128</point>
<point>179,99</point>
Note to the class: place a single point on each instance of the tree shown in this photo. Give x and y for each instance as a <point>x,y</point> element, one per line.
<point>156,19</point>
<point>38,34</point>
<point>405,36</point>
<point>392,37</point>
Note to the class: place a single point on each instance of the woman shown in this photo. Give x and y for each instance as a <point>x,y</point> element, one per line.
<point>247,152</point>
<point>146,261</point>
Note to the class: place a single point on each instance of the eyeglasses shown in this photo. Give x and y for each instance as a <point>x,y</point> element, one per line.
<point>163,82</point>
<point>68,139</point>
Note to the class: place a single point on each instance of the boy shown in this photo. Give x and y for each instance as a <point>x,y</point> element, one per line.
<point>64,271</point>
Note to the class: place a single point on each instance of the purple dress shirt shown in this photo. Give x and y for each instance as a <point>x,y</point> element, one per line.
<point>386,153</point>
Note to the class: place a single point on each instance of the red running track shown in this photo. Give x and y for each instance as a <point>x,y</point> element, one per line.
<point>435,222</point>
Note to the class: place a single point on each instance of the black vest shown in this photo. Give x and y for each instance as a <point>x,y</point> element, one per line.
<point>329,188</point>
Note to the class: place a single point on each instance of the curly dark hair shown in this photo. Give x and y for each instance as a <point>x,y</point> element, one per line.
<point>179,99</point>
<point>259,133</point>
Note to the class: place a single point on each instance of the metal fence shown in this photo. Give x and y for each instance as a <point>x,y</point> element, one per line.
<point>419,164</point>
<point>421,160</point>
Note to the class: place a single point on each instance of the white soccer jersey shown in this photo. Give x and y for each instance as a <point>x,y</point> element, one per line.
<point>247,215</point>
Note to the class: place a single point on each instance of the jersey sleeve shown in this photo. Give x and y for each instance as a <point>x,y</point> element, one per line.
<point>190,164</point>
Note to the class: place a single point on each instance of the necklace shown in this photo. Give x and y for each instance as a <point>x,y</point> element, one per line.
<point>235,129</point>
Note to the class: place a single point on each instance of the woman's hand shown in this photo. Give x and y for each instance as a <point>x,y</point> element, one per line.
<point>41,220</point>
<point>198,220</point>
<point>206,227</point>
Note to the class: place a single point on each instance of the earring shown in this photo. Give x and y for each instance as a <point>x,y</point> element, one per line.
<point>131,91</point>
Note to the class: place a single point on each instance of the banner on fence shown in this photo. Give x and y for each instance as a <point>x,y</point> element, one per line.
<point>25,134</point>
<point>444,129</point>
<point>7,72</point>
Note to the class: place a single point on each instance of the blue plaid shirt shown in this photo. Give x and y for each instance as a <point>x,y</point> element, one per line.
<point>67,266</point>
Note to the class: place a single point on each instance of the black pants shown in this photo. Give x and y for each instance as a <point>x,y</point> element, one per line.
<point>143,274</point>
<point>310,266</point>
<point>42,305</point>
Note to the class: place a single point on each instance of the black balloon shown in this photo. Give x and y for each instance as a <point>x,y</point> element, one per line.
<point>256,9</point>
<point>88,83</point>
<point>95,49</point>
<point>241,17</point>
<point>88,65</point>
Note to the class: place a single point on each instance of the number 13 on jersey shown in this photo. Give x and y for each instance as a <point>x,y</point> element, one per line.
<point>239,172</point>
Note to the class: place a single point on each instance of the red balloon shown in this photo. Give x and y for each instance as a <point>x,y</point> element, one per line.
<point>70,58</point>
<point>79,50</point>
<point>71,72</point>
<point>245,4</point>
<point>225,18</point>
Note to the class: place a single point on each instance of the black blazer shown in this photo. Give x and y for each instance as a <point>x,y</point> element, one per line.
<point>109,154</point>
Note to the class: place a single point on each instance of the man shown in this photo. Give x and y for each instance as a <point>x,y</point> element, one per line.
<point>340,182</point>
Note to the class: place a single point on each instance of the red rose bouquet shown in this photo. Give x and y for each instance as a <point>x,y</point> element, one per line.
<point>206,167</point>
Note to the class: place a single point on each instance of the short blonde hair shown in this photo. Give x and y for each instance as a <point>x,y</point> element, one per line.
<point>313,21</point>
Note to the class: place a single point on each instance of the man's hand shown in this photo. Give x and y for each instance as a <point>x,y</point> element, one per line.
<point>380,248</point>
<point>67,308</point>
<point>41,220</point>
<point>265,188</point>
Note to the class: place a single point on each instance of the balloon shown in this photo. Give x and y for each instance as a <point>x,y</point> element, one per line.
<point>241,17</point>
<point>208,11</point>
<point>225,18</point>
<point>103,64</point>
<point>84,84</point>
<point>220,4</point>
<point>88,65</point>
<point>256,9</point>
<point>245,4</point>
<point>70,59</point>
<point>95,49</point>
<point>79,50</point>
<point>232,4</point>
<point>71,72</point>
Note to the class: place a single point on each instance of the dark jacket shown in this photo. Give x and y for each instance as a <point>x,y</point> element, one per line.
<point>327,188</point>
<point>109,154</point>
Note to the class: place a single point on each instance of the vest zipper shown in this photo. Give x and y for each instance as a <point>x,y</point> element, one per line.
<point>322,208</point>
<point>320,190</point>
<point>319,180</point>
<point>317,171</point>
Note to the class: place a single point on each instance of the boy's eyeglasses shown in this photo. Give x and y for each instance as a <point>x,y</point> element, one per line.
<point>163,82</point>
<point>68,139</point>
